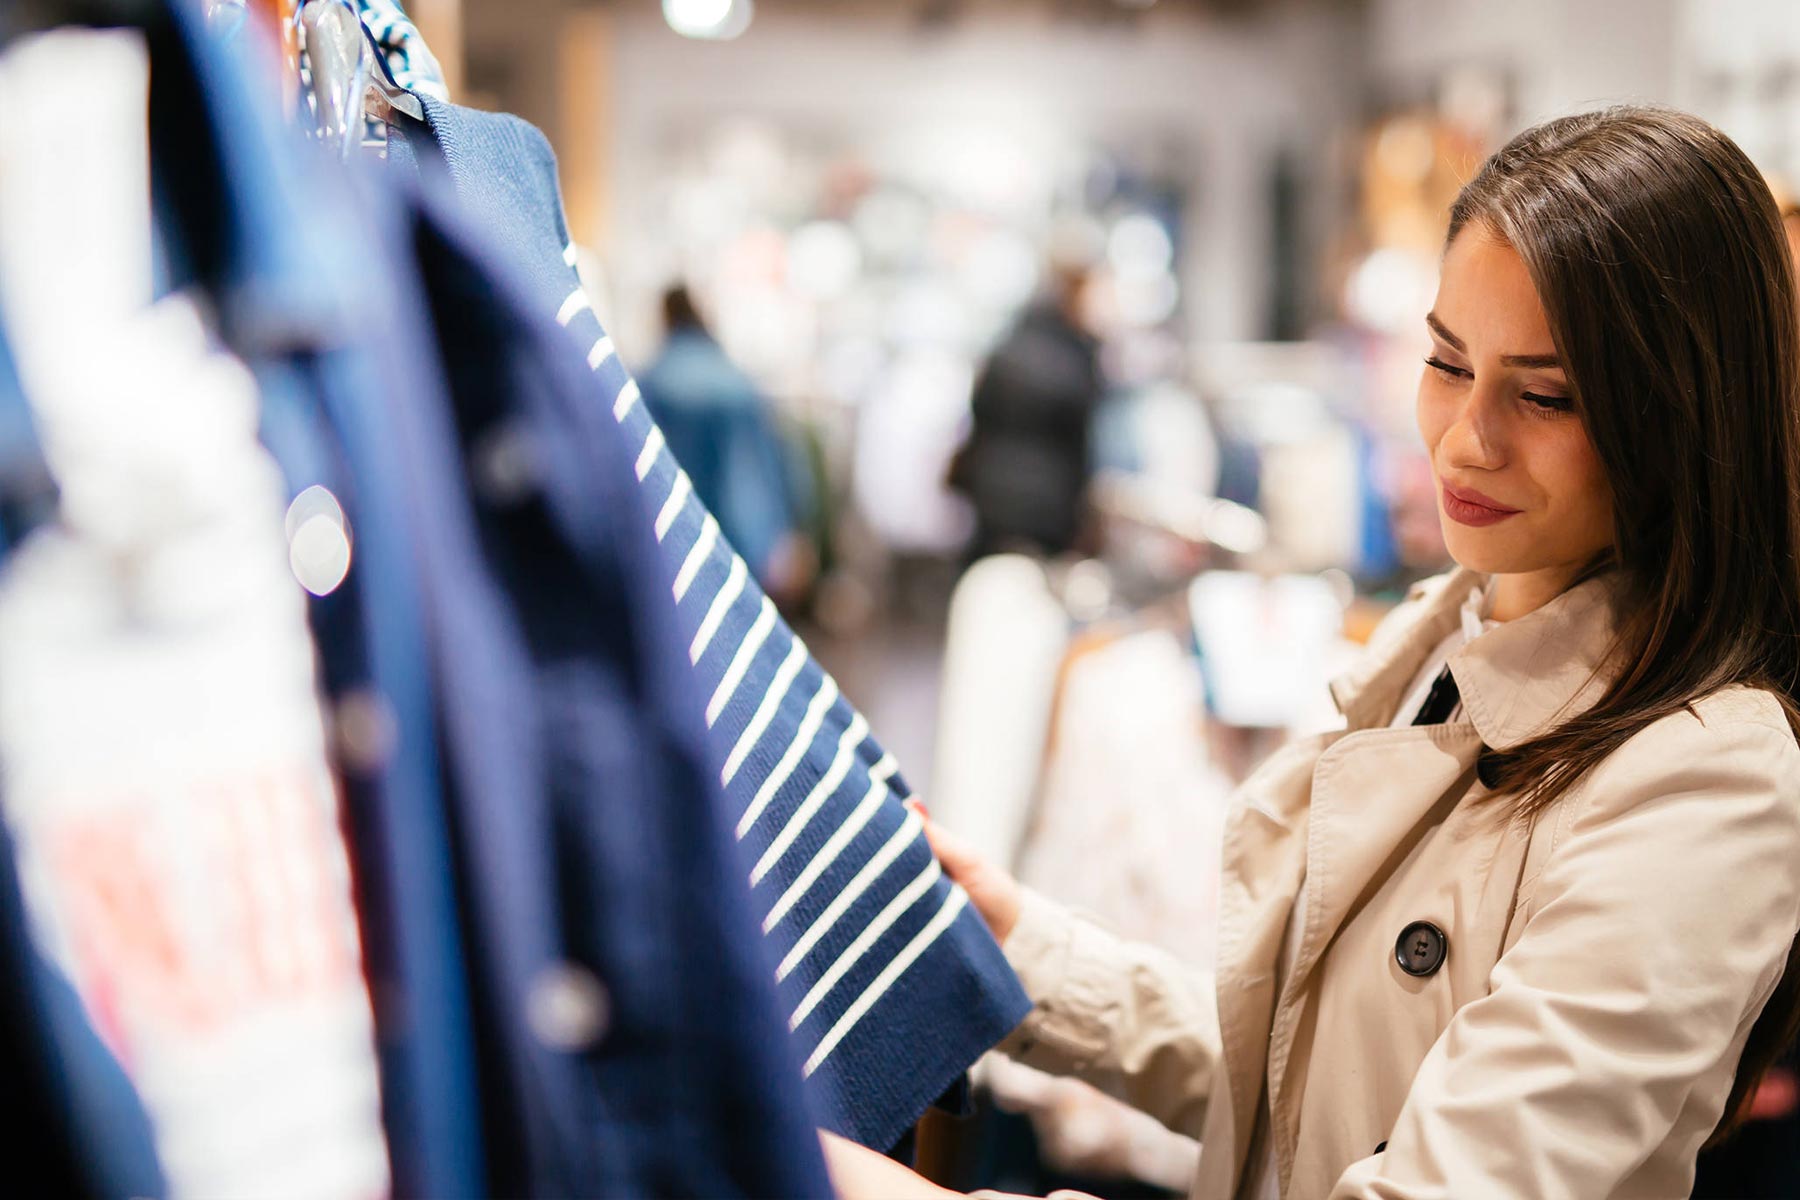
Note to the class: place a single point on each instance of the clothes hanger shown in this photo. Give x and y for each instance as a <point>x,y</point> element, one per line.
<point>350,75</point>
<point>338,60</point>
<point>384,96</point>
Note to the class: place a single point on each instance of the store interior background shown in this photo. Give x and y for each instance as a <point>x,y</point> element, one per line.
<point>863,194</point>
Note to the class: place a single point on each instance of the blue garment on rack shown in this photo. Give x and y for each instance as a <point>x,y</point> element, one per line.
<point>693,1089</point>
<point>625,1037</point>
<point>570,995</point>
<point>262,224</point>
<point>891,983</point>
<point>235,213</point>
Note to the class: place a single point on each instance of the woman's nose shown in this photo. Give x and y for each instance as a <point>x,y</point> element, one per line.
<point>1474,438</point>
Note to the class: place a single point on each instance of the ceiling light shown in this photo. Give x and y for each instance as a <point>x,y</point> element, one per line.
<point>713,19</point>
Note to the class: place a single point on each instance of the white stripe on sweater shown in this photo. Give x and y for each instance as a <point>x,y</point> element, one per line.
<point>653,446</point>
<point>678,496</point>
<point>601,351</point>
<point>882,982</point>
<point>856,731</point>
<point>577,301</point>
<point>715,616</point>
<point>690,567</point>
<point>765,712</point>
<point>809,728</point>
<point>628,396</point>
<point>903,837</point>
<point>828,854</point>
<point>734,674</point>
<point>853,954</point>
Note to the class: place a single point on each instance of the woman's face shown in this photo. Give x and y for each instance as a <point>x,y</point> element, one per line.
<point>1521,493</point>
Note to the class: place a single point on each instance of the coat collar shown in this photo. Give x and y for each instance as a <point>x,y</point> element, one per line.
<point>1518,681</point>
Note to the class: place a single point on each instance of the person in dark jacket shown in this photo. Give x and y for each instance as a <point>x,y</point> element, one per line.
<point>1025,467</point>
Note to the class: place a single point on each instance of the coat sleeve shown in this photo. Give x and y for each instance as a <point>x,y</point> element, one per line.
<point>1127,1017</point>
<point>1656,932</point>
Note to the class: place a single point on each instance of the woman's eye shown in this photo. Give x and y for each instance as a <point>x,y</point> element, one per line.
<point>1548,405</point>
<point>1446,370</point>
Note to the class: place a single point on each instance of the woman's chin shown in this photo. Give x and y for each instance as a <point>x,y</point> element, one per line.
<point>1470,550</point>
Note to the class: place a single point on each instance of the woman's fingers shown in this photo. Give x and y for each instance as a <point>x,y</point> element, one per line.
<point>858,1173</point>
<point>957,855</point>
<point>994,893</point>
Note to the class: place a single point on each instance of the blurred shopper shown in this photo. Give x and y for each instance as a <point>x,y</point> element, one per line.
<point>1025,467</point>
<point>721,430</point>
<point>1526,926</point>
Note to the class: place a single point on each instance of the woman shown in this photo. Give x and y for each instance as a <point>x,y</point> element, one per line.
<point>1525,929</point>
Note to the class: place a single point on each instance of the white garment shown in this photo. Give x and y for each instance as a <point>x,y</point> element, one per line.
<point>1005,643</point>
<point>1266,644</point>
<point>1129,827</point>
<point>161,739</point>
<point>1265,1184</point>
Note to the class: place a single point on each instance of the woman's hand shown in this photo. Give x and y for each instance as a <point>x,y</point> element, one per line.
<point>995,894</point>
<point>859,1173</point>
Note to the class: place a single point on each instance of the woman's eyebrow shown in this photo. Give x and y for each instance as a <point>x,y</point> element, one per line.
<point>1443,331</point>
<point>1538,362</point>
<point>1535,362</point>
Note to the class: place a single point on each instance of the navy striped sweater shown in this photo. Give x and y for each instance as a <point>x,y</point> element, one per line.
<point>892,984</point>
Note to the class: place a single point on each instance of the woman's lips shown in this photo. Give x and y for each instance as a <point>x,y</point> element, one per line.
<point>1467,507</point>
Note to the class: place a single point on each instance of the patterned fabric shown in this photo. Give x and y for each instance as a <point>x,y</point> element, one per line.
<point>892,984</point>
<point>410,61</point>
<point>631,1043</point>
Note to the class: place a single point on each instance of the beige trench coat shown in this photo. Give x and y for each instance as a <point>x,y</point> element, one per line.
<point>1604,965</point>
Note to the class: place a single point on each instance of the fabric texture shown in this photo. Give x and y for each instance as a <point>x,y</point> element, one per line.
<point>191,879</point>
<point>1432,699</point>
<point>892,985</point>
<point>1582,1031</point>
<point>692,1087</point>
<point>1127,828</point>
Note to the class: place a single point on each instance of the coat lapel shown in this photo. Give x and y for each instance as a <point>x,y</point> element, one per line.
<point>1266,852</point>
<point>1264,861</point>
<point>1370,793</point>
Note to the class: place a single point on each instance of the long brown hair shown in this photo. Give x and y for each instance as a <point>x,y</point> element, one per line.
<point>1658,253</point>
